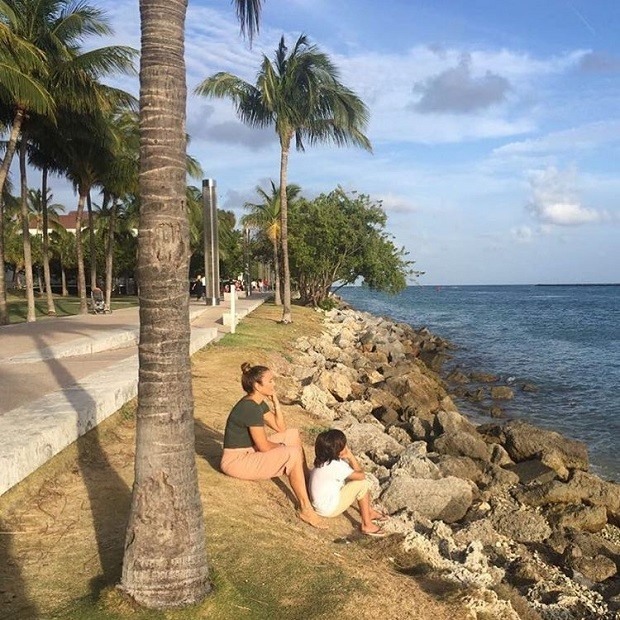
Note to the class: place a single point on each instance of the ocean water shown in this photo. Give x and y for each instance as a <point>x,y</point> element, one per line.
<point>563,339</point>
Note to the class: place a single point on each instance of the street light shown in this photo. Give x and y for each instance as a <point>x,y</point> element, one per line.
<point>211,245</point>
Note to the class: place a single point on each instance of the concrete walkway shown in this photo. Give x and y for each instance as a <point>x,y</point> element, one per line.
<point>61,377</point>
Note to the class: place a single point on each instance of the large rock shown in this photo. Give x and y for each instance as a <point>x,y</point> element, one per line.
<point>370,439</point>
<point>462,444</point>
<point>524,526</point>
<point>315,401</point>
<point>418,394</point>
<point>582,487</point>
<point>461,467</point>
<point>416,465</point>
<point>585,518</point>
<point>452,422</point>
<point>525,441</point>
<point>382,398</point>
<point>447,499</point>
<point>336,382</point>
<point>595,569</point>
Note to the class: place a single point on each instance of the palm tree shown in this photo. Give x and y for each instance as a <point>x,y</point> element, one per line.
<point>19,92</point>
<point>165,563</point>
<point>55,29</point>
<point>119,182</point>
<point>62,245</point>
<point>45,213</point>
<point>266,217</point>
<point>302,97</point>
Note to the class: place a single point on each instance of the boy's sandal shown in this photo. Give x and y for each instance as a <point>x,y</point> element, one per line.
<point>380,533</point>
<point>382,519</point>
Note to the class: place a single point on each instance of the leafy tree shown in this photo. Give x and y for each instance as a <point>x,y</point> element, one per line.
<point>339,238</point>
<point>165,563</point>
<point>301,96</point>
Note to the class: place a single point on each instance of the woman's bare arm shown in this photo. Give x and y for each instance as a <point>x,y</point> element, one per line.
<point>260,440</point>
<point>275,418</point>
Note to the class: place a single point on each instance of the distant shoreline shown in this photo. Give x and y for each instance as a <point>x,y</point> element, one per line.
<point>600,284</point>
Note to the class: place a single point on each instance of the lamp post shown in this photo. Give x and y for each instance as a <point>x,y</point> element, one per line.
<point>211,244</point>
<point>246,261</point>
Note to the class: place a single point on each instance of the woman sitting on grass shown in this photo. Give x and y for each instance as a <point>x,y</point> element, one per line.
<point>250,454</point>
<point>337,480</point>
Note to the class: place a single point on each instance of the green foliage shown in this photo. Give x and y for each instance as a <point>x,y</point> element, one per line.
<point>329,303</point>
<point>339,238</point>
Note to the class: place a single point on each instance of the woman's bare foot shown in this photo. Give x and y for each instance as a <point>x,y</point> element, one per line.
<point>307,515</point>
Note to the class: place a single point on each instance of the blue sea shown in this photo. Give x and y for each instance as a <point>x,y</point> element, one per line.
<point>563,339</point>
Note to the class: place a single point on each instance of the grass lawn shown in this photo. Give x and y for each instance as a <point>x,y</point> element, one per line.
<point>65,306</point>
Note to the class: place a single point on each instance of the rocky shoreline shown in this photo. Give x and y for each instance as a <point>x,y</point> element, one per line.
<point>507,513</point>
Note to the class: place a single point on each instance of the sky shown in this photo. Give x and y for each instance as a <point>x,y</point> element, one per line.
<point>495,126</point>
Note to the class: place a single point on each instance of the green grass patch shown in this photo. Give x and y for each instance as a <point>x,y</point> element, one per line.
<point>65,306</point>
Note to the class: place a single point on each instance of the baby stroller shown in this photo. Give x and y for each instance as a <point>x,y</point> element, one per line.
<point>97,302</point>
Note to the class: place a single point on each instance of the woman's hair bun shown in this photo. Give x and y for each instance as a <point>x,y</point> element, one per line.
<point>246,367</point>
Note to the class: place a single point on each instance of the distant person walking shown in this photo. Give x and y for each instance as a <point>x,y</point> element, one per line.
<point>197,287</point>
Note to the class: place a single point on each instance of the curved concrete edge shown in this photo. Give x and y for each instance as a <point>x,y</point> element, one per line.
<point>33,434</point>
<point>114,339</point>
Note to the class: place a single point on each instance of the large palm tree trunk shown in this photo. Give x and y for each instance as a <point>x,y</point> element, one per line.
<point>31,314</point>
<point>286,271</point>
<point>109,254</point>
<point>165,563</point>
<point>4,309</point>
<point>10,147</point>
<point>51,308</point>
<point>276,269</point>
<point>92,249</point>
<point>79,250</point>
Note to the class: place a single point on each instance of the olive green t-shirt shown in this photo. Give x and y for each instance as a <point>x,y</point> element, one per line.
<point>244,414</point>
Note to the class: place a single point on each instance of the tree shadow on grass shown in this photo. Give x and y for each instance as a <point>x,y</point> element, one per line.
<point>14,601</point>
<point>108,494</point>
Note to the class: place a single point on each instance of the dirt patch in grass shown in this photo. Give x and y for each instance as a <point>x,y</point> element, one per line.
<point>62,529</point>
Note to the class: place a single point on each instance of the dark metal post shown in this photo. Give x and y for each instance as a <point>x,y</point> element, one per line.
<point>246,257</point>
<point>211,245</point>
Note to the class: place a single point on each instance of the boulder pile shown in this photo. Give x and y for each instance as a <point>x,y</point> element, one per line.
<point>496,507</point>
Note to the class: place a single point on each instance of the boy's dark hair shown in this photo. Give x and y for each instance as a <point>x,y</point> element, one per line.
<point>328,445</point>
<point>251,375</point>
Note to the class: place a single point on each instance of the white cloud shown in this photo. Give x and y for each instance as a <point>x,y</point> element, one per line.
<point>554,199</point>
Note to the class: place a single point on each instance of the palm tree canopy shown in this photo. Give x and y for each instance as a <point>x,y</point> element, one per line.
<point>265,215</point>
<point>301,94</point>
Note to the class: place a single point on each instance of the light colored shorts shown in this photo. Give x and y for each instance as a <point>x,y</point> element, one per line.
<point>249,464</point>
<point>351,491</point>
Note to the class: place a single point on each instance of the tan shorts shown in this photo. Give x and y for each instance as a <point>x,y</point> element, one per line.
<point>351,491</point>
<point>249,464</point>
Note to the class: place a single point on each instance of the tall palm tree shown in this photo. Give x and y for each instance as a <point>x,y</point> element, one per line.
<point>69,76</point>
<point>62,246</point>
<point>165,563</point>
<point>265,216</point>
<point>19,92</point>
<point>300,94</point>
<point>45,213</point>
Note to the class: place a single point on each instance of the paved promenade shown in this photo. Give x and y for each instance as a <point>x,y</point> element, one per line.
<point>61,377</point>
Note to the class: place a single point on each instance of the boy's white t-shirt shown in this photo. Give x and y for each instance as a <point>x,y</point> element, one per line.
<point>325,484</point>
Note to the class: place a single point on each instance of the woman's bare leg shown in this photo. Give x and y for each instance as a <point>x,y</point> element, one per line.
<point>298,484</point>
